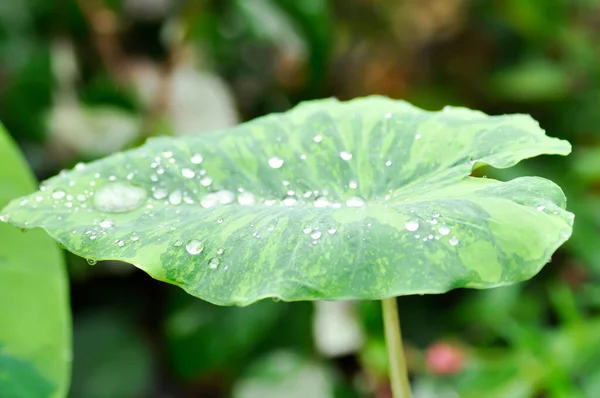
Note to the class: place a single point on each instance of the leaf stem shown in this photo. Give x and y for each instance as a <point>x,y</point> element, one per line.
<point>393,337</point>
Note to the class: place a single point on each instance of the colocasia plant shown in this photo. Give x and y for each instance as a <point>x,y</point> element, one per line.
<point>360,200</point>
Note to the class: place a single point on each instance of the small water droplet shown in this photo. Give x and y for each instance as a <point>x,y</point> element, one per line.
<point>541,207</point>
<point>246,199</point>
<point>453,241</point>
<point>331,231</point>
<point>119,198</point>
<point>167,154</point>
<point>303,157</point>
<point>321,201</point>
<point>91,261</point>
<point>178,243</point>
<point>318,138</point>
<point>307,229</point>
<point>194,247</point>
<point>388,115</point>
<point>315,235</point>
<point>417,136</point>
<point>220,220</point>
<point>214,263</point>
<point>160,193</point>
<point>107,224</point>
<point>196,159</point>
<point>188,173</point>
<point>275,162</point>
<point>388,163</point>
<point>220,251</point>
<point>217,198</point>
<point>205,181</point>
<point>411,226</point>
<point>345,155</point>
<point>58,194</point>
<point>433,221</point>
<point>355,201</point>
<point>175,197</point>
<point>444,230</point>
<point>353,184</point>
<point>134,238</point>
<point>289,201</point>
<point>121,243</point>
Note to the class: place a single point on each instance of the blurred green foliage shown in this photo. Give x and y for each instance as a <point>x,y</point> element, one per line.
<point>81,79</point>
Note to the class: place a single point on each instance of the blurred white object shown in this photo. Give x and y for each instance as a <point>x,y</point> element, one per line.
<point>196,101</point>
<point>336,330</point>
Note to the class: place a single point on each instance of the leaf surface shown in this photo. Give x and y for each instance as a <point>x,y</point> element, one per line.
<point>35,339</point>
<point>363,199</point>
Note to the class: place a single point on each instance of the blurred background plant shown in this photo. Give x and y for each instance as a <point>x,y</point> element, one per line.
<point>80,79</point>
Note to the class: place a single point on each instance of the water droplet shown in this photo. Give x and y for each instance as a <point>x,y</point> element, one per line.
<point>175,197</point>
<point>121,243</point>
<point>307,229</point>
<point>417,136</point>
<point>388,163</point>
<point>194,247</point>
<point>453,241</point>
<point>315,235</point>
<point>331,231</point>
<point>220,251</point>
<point>188,173</point>
<point>246,199</point>
<point>160,171</point>
<point>91,261</point>
<point>433,221</point>
<point>321,201</point>
<point>355,201</point>
<point>303,157</point>
<point>196,159</point>
<point>353,184</point>
<point>119,198</point>
<point>318,138</point>
<point>388,115</point>
<point>214,263</point>
<point>58,194</point>
<point>541,207</point>
<point>289,201</point>
<point>205,181</point>
<point>217,198</point>
<point>275,162</point>
<point>411,226</point>
<point>167,154</point>
<point>345,155</point>
<point>160,193</point>
<point>107,224</point>
<point>220,220</point>
<point>134,238</point>
<point>444,230</point>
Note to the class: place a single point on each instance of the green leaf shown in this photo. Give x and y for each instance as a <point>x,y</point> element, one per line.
<point>35,351</point>
<point>332,200</point>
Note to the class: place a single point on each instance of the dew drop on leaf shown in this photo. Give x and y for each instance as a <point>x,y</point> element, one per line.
<point>91,261</point>
<point>213,263</point>
<point>355,201</point>
<point>345,155</point>
<point>175,197</point>
<point>275,162</point>
<point>58,194</point>
<point>321,201</point>
<point>411,225</point>
<point>353,184</point>
<point>119,198</point>
<point>453,241</point>
<point>246,199</point>
<point>194,247</point>
<point>315,235</point>
<point>107,224</point>
<point>444,230</point>
<point>206,181</point>
<point>188,173</point>
<point>196,159</point>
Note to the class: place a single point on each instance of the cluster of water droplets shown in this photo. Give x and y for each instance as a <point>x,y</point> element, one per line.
<point>432,229</point>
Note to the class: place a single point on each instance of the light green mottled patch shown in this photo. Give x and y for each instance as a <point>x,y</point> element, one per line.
<point>364,199</point>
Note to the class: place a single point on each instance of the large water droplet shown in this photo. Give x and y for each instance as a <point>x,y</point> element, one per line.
<point>197,159</point>
<point>453,241</point>
<point>355,201</point>
<point>444,230</point>
<point>194,247</point>
<point>119,198</point>
<point>214,263</point>
<point>275,162</point>
<point>188,173</point>
<point>246,199</point>
<point>160,193</point>
<point>411,226</point>
<point>315,235</point>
